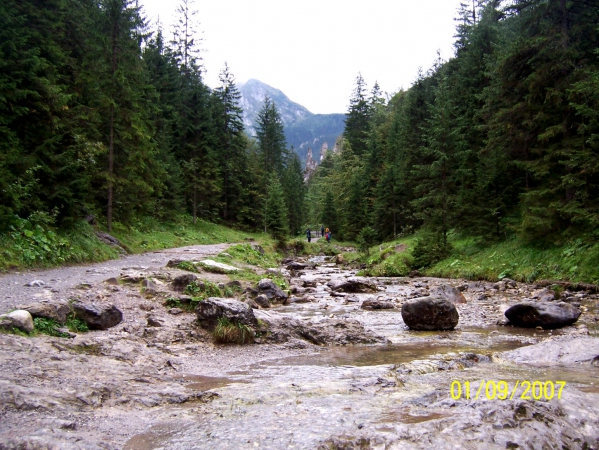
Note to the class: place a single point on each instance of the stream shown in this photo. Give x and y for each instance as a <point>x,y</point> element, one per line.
<point>399,394</point>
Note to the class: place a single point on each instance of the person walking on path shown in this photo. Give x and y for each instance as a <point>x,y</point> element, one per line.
<point>328,236</point>
<point>309,235</point>
<point>322,231</point>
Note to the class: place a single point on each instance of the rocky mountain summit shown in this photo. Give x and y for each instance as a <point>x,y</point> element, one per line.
<point>303,129</point>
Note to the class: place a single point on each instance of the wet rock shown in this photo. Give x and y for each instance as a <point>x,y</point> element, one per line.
<point>546,315</point>
<point>544,295</point>
<point>20,319</point>
<point>98,317</point>
<point>294,265</point>
<point>563,350</point>
<point>55,310</point>
<point>339,259</point>
<point>299,300</point>
<point>273,292</point>
<point>430,313</point>
<point>213,308</point>
<point>113,281</point>
<point>353,285</point>
<point>174,262</point>
<point>182,281</point>
<point>36,283</point>
<point>377,304</point>
<point>175,311</point>
<point>450,293</point>
<point>252,303</point>
<point>262,301</point>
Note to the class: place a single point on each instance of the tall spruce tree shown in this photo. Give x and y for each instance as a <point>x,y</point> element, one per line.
<point>357,117</point>
<point>271,137</point>
<point>276,221</point>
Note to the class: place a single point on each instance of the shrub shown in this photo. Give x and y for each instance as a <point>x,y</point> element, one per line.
<point>366,239</point>
<point>227,332</point>
<point>428,250</point>
<point>48,326</point>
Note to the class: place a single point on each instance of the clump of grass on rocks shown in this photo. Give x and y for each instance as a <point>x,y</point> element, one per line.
<point>227,332</point>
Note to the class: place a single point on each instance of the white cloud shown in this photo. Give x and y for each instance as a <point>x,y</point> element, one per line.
<point>313,50</point>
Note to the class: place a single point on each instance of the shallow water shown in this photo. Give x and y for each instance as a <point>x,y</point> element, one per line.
<point>399,392</point>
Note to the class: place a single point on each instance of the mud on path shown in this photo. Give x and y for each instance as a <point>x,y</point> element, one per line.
<point>157,380</point>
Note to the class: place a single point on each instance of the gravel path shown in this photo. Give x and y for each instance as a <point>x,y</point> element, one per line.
<point>14,289</point>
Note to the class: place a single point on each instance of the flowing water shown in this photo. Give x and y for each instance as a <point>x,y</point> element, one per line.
<point>395,395</point>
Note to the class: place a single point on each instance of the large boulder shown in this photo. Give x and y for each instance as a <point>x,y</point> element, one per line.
<point>546,315</point>
<point>55,310</point>
<point>218,267</point>
<point>273,292</point>
<point>454,295</point>
<point>20,319</point>
<point>213,308</point>
<point>98,317</point>
<point>352,285</point>
<point>430,313</point>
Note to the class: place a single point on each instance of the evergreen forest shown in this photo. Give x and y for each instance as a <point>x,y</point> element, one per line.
<point>500,141</point>
<point>104,117</point>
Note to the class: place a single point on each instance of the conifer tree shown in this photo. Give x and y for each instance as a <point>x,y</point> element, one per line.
<point>293,185</point>
<point>357,117</point>
<point>275,212</point>
<point>271,136</point>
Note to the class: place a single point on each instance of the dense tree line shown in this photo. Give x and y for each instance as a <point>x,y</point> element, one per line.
<point>101,116</point>
<point>503,138</point>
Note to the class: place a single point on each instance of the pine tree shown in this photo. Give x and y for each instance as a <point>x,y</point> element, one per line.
<point>293,185</point>
<point>275,212</point>
<point>230,141</point>
<point>357,117</point>
<point>271,136</point>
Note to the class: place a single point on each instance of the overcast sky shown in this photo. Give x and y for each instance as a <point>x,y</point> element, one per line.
<point>312,50</point>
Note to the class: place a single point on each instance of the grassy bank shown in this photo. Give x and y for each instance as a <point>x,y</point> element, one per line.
<point>574,261</point>
<point>29,245</point>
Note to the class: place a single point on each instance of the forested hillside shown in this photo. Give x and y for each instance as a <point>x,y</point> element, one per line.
<point>502,139</point>
<point>102,116</point>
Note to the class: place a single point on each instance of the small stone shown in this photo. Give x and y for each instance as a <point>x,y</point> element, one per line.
<point>112,281</point>
<point>262,301</point>
<point>175,311</point>
<point>20,319</point>
<point>154,322</point>
<point>36,283</point>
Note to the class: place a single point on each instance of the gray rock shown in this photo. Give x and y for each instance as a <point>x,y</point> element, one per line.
<point>377,304</point>
<point>563,350</point>
<point>273,292</point>
<point>98,317</point>
<point>175,311</point>
<point>154,321</point>
<point>36,283</point>
<point>262,301</point>
<point>544,295</point>
<point>430,313</point>
<point>294,265</point>
<point>546,315</point>
<point>454,295</point>
<point>352,285</point>
<point>213,308</point>
<point>299,300</point>
<point>20,319</point>
<point>182,281</point>
<point>112,281</point>
<point>55,310</point>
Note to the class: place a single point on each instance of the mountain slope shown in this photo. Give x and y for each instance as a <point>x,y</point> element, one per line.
<point>303,129</point>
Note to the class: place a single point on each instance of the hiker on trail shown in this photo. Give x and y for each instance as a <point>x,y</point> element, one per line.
<point>309,235</point>
<point>322,231</point>
<point>328,236</point>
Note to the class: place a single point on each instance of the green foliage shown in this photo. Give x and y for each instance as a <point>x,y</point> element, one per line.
<point>48,326</point>
<point>429,249</point>
<point>188,266</point>
<point>76,325</point>
<point>366,239</point>
<point>249,254</point>
<point>276,219</point>
<point>201,290</point>
<point>227,332</point>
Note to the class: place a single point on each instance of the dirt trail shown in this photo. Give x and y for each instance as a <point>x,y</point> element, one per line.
<point>58,282</point>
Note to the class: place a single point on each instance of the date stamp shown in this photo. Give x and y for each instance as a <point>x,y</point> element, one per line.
<point>502,390</point>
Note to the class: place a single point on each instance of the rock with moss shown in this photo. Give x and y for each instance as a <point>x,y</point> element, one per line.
<point>353,285</point>
<point>212,309</point>
<point>181,282</point>
<point>274,293</point>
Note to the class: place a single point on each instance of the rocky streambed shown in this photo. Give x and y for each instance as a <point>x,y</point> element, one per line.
<point>333,366</point>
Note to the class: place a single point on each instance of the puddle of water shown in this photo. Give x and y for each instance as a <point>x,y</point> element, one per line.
<point>383,355</point>
<point>154,439</point>
<point>204,383</point>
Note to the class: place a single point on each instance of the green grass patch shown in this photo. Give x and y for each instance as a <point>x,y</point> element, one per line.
<point>48,326</point>
<point>250,275</point>
<point>575,261</point>
<point>248,254</point>
<point>188,266</point>
<point>76,325</point>
<point>227,332</point>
